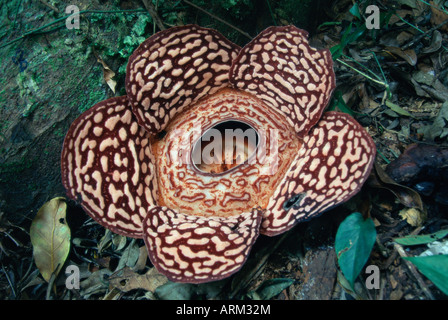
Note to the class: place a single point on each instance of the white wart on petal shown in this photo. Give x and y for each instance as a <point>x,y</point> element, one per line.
<point>107,165</point>
<point>280,68</point>
<point>196,249</point>
<point>175,68</point>
<point>332,165</point>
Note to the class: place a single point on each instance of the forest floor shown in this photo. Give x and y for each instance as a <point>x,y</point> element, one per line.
<point>393,79</point>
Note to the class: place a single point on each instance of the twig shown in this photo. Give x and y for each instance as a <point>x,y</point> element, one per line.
<point>414,272</point>
<point>381,69</point>
<point>15,17</point>
<point>362,66</point>
<point>153,12</point>
<point>219,19</point>
<point>410,24</point>
<point>382,287</point>
<point>50,285</point>
<point>420,36</point>
<point>45,3</point>
<point>362,73</point>
<point>154,24</point>
<point>271,12</point>
<point>435,7</point>
<point>9,281</point>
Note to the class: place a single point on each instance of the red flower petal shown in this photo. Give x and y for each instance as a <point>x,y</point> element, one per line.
<point>197,249</point>
<point>280,68</point>
<point>175,68</point>
<point>334,162</point>
<point>108,166</point>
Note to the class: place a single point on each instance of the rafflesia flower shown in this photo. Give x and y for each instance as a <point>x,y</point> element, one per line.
<point>158,163</point>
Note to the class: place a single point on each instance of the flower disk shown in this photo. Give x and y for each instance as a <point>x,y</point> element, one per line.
<point>184,188</point>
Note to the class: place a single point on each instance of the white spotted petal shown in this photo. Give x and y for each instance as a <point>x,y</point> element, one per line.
<point>175,68</point>
<point>107,164</point>
<point>197,249</point>
<point>333,163</point>
<point>280,68</point>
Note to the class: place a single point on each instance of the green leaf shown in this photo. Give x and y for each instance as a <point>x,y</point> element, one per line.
<point>348,37</point>
<point>336,50</point>
<point>328,24</point>
<point>50,237</point>
<point>347,287</point>
<point>398,109</point>
<point>354,242</point>
<point>354,10</point>
<point>421,239</point>
<point>338,102</point>
<point>435,268</point>
<point>270,288</point>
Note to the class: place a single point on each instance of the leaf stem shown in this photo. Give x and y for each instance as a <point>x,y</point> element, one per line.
<point>363,74</point>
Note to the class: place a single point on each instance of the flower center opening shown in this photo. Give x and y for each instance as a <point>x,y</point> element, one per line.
<point>205,171</point>
<point>224,146</point>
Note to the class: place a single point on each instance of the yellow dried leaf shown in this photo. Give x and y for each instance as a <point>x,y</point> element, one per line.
<point>413,216</point>
<point>108,74</point>
<point>50,237</point>
<point>127,280</point>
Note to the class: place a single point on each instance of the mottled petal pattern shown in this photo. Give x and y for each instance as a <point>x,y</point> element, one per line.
<point>332,165</point>
<point>280,68</point>
<point>185,189</point>
<point>108,166</point>
<point>197,249</point>
<point>175,68</point>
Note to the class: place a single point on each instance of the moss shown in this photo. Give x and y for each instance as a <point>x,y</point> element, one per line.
<point>58,131</point>
<point>16,166</point>
<point>95,94</point>
<point>4,124</point>
<point>29,109</point>
<point>2,97</point>
<point>129,41</point>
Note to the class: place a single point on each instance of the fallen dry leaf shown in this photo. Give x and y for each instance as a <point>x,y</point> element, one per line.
<point>407,196</point>
<point>408,55</point>
<point>142,258</point>
<point>127,280</point>
<point>50,237</point>
<point>438,16</point>
<point>108,74</point>
<point>438,128</point>
<point>413,216</point>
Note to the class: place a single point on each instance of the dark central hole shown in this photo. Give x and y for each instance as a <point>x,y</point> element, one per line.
<point>225,146</point>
